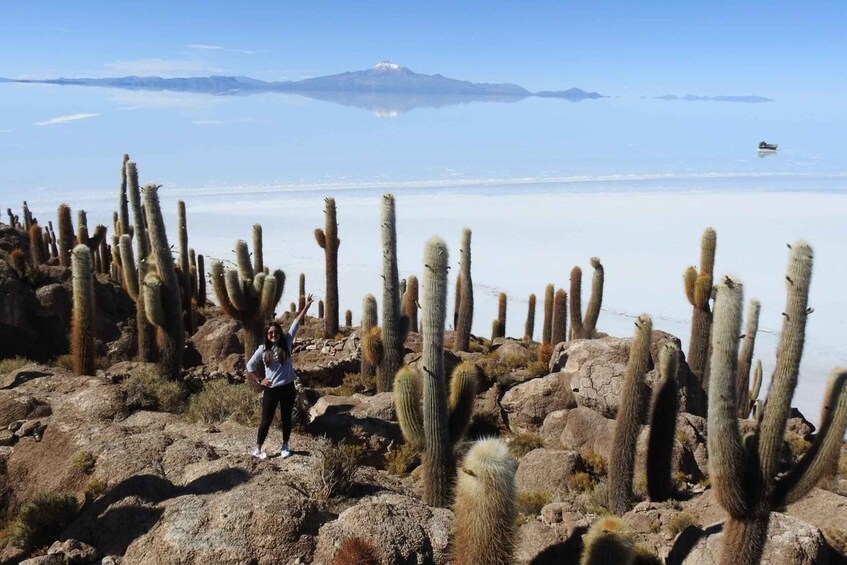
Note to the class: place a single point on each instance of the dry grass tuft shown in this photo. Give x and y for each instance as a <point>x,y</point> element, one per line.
<point>84,461</point>
<point>531,503</point>
<point>219,401</point>
<point>12,364</point>
<point>335,468</point>
<point>145,389</point>
<point>40,521</point>
<point>681,521</point>
<point>401,460</point>
<point>521,443</point>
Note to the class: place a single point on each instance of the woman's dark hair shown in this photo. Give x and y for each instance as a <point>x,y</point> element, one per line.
<point>283,352</point>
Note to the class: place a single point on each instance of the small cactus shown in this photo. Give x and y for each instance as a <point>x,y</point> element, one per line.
<point>529,328</point>
<point>356,551</point>
<point>485,505</point>
<point>547,324</point>
<point>608,542</point>
<point>410,302</point>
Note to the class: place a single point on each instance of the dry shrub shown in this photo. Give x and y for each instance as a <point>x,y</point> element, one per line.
<point>336,466</point>
<point>594,462</point>
<point>797,444</point>
<point>530,503</point>
<point>356,551</point>
<point>219,401</point>
<point>521,443</point>
<point>681,521</point>
<point>513,360</point>
<point>580,482</point>
<point>545,351</point>
<point>12,364</point>
<point>84,461</point>
<point>401,460</point>
<point>538,368</point>
<point>40,521</point>
<point>145,389</point>
<point>94,488</point>
<point>593,501</point>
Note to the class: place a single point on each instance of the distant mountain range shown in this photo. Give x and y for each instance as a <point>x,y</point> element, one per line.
<point>387,88</point>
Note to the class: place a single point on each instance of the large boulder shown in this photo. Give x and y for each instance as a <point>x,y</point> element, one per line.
<point>526,405</point>
<point>547,470</point>
<point>357,419</point>
<point>217,339</point>
<point>403,529</point>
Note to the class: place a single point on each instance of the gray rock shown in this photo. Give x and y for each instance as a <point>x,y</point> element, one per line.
<point>75,552</point>
<point>526,405</point>
<point>547,470</point>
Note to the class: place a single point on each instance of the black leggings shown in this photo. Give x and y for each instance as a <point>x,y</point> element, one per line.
<point>284,396</point>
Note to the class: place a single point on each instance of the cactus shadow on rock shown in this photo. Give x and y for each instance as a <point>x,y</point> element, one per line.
<point>567,551</point>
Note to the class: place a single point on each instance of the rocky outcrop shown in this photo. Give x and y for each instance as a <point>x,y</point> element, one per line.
<point>527,405</point>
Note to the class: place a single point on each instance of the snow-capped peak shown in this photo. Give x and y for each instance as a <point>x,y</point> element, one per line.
<point>385,66</point>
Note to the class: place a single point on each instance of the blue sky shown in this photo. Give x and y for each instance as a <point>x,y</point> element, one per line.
<point>628,48</point>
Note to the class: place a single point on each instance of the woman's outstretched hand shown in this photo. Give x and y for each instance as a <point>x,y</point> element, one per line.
<point>309,299</point>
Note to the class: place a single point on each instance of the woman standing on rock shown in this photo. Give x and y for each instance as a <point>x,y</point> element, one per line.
<point>278,384</point>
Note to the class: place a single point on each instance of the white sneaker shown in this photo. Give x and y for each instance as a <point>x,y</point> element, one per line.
<point>259,454</point>
<point>284,452</point>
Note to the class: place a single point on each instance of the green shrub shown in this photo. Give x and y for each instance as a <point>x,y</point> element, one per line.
<point>12,364</point>
<point>145,389</point>
<point>219,401</point>
<point>681,521</point>
<point>84,461</point>
<point>336,466</point>
<point>531,503</point>
<point>522,443</point>
<point>401,460</point>
<point>40,521</point>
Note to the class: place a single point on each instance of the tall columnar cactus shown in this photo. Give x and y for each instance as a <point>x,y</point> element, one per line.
<point>144,329</point>
<point>745,359</point>
<point>465,319</point>
<point>410,302</point>
<point>435,426</point>
<point>122,226</point>
<point>247,296</point>
<point>485,505</point>
<point>586,328</point>
<point>66,235</point>
<point>82,332</point>
<point>628,421</point>
<point>608,542</point>
<point>394,325</point>
<point>371,337</point>
<point>201,280</point>
<point>498,328</point>
<point>327,239</point>
<point>547,324</point>
<point>301,293</point>
<point>27,217</point>
<point>105,256</point>
<point>457,300</point>
<point>559,329</point>
<point>698,289</point>
<point>529,328</point>
<point>184,270</point>
<point>161,291</point>
<point>663,414</point>
<point>258,253</point>
<point>348,318</point>
<point>744,471</point>
<point>36,245</point>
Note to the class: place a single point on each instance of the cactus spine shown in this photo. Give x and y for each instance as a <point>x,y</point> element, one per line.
<point>663,413</point>
<point>161,290</point>
<point>82,334</point>
<point>529,328</point>
<point>547,324</point>
<point>327,239</point>
<point>393,331</point>
<point>745,359</point>
<point>698,289</point>
<point>628,421</point>
<point>744,471</point>
<point>465,319</point>
<point>410,302</point>
<point>586,328</point>
<point>559,325</point>
<point>608,542</point>
<point>247,296</point>
<point>485,506</point>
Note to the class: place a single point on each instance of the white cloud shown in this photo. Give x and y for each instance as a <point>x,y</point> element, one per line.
<point>208,122</point>
<point>65,119</point>
<point>205,47</point>
<point>5,131</point>
<point>163,67</point>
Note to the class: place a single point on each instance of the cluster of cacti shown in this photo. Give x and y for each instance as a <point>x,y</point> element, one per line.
<point>529,327</point>
<point>247,294</point>
<point>498,326</point>
<point>746,471</point>
<point>82,321</point>
<point>485,505</point>
<point>395,326</point>
<point>586,328</point>
<point>428,422</point>
<point>327,239</point>
<point>160,290</point>
<point>698,290</point>
<point>547,322</point>
<point>464,295</point>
